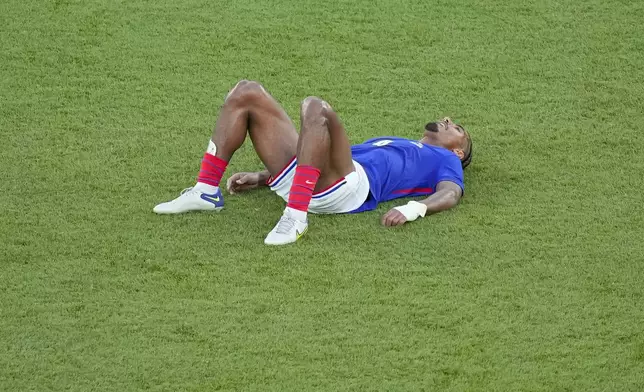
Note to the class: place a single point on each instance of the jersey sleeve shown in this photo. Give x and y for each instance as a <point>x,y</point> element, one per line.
<point>451,170</point>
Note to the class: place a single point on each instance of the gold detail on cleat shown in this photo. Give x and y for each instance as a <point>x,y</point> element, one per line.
<point>301,234</point>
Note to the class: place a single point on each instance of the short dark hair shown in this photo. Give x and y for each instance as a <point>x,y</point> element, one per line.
<point>467,158</point>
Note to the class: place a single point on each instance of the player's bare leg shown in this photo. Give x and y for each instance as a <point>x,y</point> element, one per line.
<point>323,142</point>
<point>250,108</point>
<point>323,157</point>
<point>247,110</point>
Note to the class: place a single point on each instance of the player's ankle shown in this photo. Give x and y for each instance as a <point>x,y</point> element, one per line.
<point>297,214</point>
<point>212,169</point>
<point>206,188</point>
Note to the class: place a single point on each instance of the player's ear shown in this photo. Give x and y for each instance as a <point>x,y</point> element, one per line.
<point>459,152</point>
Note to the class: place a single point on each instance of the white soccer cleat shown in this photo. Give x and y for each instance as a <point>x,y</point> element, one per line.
<point>192,200</point>
<point>286,231</point>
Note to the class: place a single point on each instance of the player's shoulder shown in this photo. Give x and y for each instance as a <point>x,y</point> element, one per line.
<point>445,159</point>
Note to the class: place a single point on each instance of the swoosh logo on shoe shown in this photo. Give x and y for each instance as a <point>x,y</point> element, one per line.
<point>209,198</point>
<point>297,232</point>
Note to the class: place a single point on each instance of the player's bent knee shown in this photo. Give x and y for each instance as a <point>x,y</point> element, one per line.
<point>241,83</point>
<point>245,92</point>
<point>233,90</point>
<point>314,107</point>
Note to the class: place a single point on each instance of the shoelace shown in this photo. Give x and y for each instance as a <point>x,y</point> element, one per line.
<point>285,225</point>
<point>187,190</point>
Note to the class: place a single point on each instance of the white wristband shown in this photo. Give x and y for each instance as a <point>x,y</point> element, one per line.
<point>412,210</point>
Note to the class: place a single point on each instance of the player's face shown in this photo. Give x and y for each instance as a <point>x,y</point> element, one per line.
<point>446,134</point>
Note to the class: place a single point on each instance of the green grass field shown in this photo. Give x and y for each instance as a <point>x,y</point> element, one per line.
<point>534,283</point>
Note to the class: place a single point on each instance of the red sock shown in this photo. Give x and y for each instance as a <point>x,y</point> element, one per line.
<point>212,169</point>
<point>302,188</point>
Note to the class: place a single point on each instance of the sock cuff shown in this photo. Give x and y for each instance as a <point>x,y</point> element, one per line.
<point>307,168</point>
<point>214,160</point>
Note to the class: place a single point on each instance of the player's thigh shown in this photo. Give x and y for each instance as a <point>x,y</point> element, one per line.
<point>340,154</point>
<point>337,161</point>
<point>272,132</point>
<point>340,161</point>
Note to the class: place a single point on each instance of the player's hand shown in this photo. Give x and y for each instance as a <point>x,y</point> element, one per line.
<point>240,182</point>
<point>393,218</point>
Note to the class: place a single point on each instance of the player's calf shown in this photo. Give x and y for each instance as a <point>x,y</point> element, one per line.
<point>229,134</point>
<point>312,152</point>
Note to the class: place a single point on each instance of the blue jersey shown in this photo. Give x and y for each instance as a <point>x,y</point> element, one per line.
<point>398,167</point>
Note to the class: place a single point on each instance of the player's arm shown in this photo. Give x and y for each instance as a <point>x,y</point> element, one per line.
<point>240,182</point>
<point>447,195</point>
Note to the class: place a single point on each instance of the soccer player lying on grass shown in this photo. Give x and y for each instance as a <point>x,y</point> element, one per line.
<point>319,171</point>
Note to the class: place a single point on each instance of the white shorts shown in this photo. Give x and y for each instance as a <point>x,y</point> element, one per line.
<point>345,195</point>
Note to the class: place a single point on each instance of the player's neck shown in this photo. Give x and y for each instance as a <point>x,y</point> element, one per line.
<point>428,142</point>
<point>425,141</point>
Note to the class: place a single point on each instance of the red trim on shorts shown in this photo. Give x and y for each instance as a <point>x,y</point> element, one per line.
<point>272,178</point>
<point>413,190</point>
